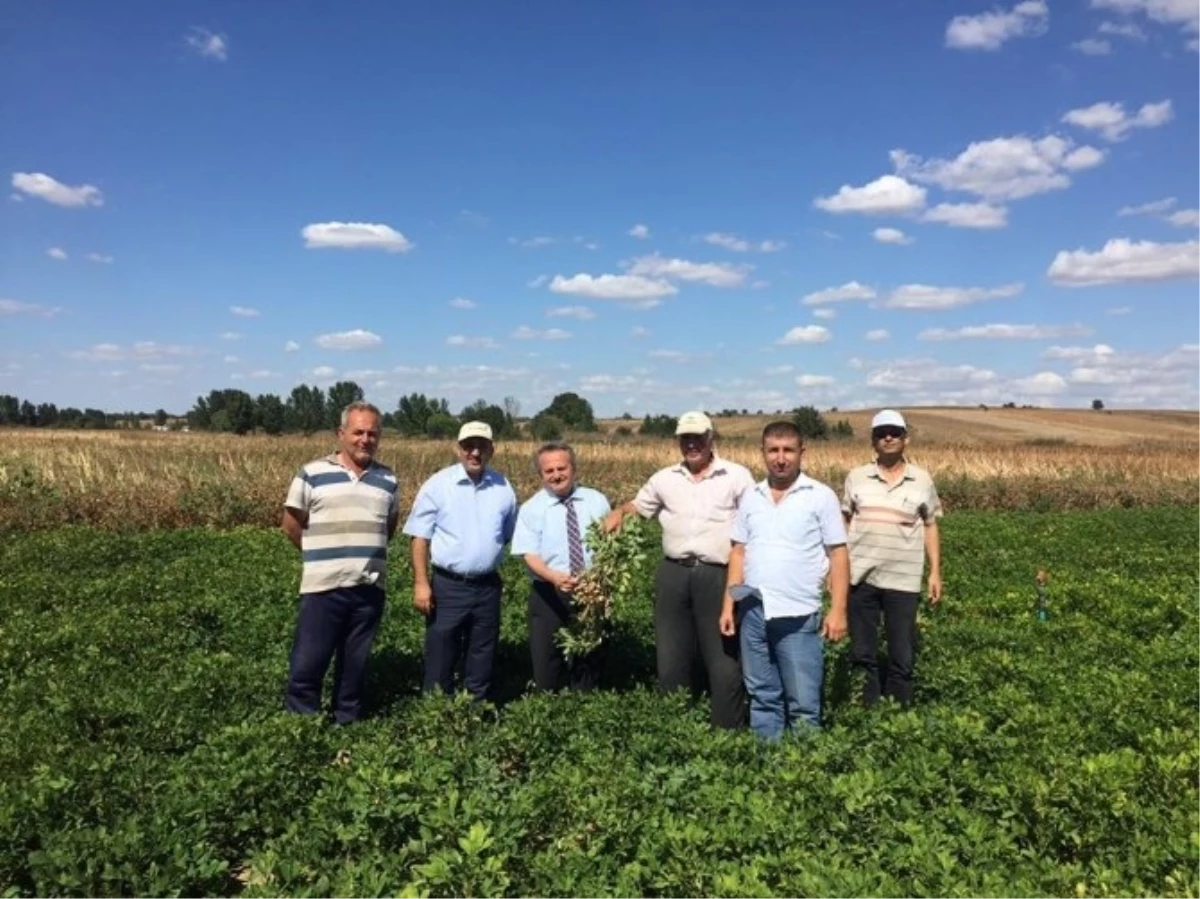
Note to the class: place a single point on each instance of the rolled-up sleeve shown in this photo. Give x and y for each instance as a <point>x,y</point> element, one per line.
<point>648,501</point>
<point>423,517</point>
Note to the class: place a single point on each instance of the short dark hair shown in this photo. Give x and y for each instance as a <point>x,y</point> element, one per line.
<point>782,429</point>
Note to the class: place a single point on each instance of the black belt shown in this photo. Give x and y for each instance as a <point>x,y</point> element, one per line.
<point>487,578</point>
<point>693,561</point>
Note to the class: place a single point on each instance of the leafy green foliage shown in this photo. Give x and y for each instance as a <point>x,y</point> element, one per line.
<point>658,426</point>
<point>144,751</point>
<point>812,424</point>
<point>573,411</point>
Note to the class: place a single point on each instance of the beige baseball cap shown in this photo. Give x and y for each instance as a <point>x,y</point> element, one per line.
<point>475,429</point>
<point>693,423</point>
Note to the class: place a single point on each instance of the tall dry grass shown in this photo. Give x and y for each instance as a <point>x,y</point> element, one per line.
<point>155,479</point>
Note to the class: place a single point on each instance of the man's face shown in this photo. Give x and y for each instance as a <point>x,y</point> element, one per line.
<point>889,440</point>
<point>558,474</point>
<point>475,453</point>
<point>782,457</point>
<point>360,438</point>
<point>695,447</point>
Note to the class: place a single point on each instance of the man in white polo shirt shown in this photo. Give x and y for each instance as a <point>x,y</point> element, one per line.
<point>892,509</point>
<point>695,501</point>
<point>787,537</point>
<point>341,511</point>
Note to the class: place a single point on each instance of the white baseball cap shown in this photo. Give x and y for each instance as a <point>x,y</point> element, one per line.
<point>693,423</point>
<point>888,418</point>
<point>475,429</point>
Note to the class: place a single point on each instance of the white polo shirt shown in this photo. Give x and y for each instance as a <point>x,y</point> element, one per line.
<point>786,544</point>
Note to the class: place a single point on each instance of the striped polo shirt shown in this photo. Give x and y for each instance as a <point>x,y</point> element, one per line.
<point>887,526</point>
<point>345,541</point>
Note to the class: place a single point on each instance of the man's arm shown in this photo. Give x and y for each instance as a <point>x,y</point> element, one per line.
<point>733,576</point>
<point>422,591</point>
<point>933,549</point>
<point>647,503</point>
<point>560,580</point>
<point>293,524</point>
<point>834,627</point>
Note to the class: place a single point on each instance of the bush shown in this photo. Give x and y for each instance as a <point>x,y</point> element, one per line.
<point>441,426</point>
<point>546,427</point>
<point>811,423</point>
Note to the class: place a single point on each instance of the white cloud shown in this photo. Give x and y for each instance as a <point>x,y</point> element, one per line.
<point>143,351</point>
<point>99,258</point>
<point>805,334</point>
<point>1006,332</point>
<point>15,307</point>
<point>1092,46</point>
<point>358,339</point>
<point>463,303</point>
<point>1184,13</point>
<point>740,245</point>
<point>1185,218</point>
<point>670,355</point>
<point>825,313</point>
<point>968,215</point>
<point>1162,379</point>
<point>1044,383</point>
<point>1123,261</point>
<point>891,235</point>
<point>642,292</point>
<point>1113,124</point>
<point>715,274</point>
<point>582,313</point>
<point>230,360</point>
<point>36,184</point>
<point>263,373</point>
<point>532,243</point>
<point>814,380</point>
<point>232,335</point>
<point>1079,353</point>
<point>989,30</point>
<point>354,236</point>
<point>57,253</point>
<point>851,290</point>
<point>641,232</point>
<point>924,296</point>
<point>1129,30</point>
<point>887,195</point>
<point>637,331</point>
<point>482,343</point>
<point>291,346</point>
<point>1157,207</point>
<point>324,372</point>
<point>1119,310</point>
<point>244,311</point>
<point>878,334</point>
<point>524,332</point>
<point>1005,168</point>
<point>208,44</point>
<point>779,370</point>
<point>162,368</point>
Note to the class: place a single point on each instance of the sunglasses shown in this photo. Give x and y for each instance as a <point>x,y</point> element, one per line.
<point>474,445</point>
<point>886,432</point>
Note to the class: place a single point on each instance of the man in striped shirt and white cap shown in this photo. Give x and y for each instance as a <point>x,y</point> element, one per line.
<point>892,509</point>
<point>341,511</point>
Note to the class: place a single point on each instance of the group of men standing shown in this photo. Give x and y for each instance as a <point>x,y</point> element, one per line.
<point>739,588</point>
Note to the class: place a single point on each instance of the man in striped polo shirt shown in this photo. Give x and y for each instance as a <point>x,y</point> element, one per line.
<point>892,509</point>
<point>341,511</point>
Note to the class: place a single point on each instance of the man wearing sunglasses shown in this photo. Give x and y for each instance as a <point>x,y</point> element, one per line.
<point>460,522</point>
<point>892,509</point>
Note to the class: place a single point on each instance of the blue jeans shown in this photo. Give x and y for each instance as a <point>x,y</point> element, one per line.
<point>783,665</point>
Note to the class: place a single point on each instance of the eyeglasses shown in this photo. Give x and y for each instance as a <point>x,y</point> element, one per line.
<point>885,432</point>
<point>474,445</point>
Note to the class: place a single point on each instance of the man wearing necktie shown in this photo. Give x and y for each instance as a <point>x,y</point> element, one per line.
<point>549,535</point>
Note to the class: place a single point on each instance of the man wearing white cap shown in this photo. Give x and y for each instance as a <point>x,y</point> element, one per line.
<point>696,502</point>
<point>892,509</point>
<point>460,522</point>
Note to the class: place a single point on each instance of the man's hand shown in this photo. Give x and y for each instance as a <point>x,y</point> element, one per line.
<point>726,622</point>
<point>423,598</point>
<point>834,626</point>
<point>935,589</point>
<point>565,583</point>
<point>613,520</point>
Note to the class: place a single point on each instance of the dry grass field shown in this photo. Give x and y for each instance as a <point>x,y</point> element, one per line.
<point>995,459</point>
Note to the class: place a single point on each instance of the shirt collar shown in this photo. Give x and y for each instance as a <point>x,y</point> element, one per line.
<point>464,478</point>
<point>878,474</point>
<point>717,466</point>
<point>804,482</point>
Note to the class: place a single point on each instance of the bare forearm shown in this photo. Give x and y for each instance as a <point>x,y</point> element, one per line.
<point>839,577</point>
<point>540,569</point>
<point>420,560</point>
<point>933,549</point>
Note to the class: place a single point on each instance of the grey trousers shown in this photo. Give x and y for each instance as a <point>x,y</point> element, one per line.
<point>687,610</point>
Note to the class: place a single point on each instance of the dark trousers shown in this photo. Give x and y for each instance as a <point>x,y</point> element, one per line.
<point>463,626</point>
<point>687,612</point>
<point>339,622</point>
<point>899,610</point>
<point>549,612</point>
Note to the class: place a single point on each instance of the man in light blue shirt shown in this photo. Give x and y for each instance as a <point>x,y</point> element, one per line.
<point>550,535</point>
<point>788,536</point>
<point>460,522</point>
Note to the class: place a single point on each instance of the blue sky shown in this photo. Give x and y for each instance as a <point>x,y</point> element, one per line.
<point>657,205</point>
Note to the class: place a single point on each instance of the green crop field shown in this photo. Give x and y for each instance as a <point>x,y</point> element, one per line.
<point>144,750</point>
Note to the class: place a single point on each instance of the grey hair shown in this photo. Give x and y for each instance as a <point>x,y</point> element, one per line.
<point>359,406</point>
<point>553,446</point>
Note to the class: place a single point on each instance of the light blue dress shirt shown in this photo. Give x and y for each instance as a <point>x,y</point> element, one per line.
<point>785,544</point>
<point>466,524</point>
<point>542,526</point>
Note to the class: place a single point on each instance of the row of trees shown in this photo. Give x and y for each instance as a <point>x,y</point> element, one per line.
<point>17,412</point>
